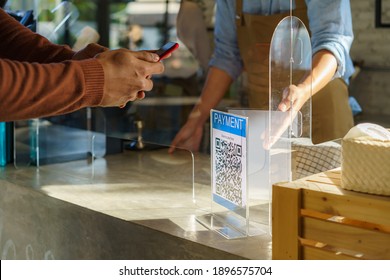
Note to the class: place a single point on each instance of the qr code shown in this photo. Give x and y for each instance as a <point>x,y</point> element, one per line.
<point>228,170</point>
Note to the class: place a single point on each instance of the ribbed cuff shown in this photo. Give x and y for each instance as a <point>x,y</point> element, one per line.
<point>94,81</point>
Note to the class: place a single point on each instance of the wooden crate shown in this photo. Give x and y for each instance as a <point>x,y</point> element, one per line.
<point>314,218</point>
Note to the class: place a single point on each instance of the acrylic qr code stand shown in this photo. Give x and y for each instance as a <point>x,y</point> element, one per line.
<point>236,205</point>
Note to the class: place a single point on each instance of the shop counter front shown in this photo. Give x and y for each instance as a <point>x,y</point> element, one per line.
<point>131,205</point>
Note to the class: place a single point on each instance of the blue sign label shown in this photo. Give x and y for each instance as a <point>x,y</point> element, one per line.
<point>229,123</point>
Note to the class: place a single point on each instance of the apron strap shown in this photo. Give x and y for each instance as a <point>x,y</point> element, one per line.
<point>300,4</point>
<point>239,13</point>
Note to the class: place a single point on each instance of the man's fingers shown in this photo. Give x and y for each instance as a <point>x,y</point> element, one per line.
<point>152,58</point>
<point>147,56</point>
<point>147,85</point>
<point>154,68</point>
<point>141,95</point>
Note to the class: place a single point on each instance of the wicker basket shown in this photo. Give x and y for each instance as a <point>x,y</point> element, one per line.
<point>365,165</point>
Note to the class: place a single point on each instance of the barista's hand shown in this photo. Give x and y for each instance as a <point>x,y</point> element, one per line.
<point>293,99</point>
<point>189,136</point>
<point>294,96</point>
<point>127,75</point>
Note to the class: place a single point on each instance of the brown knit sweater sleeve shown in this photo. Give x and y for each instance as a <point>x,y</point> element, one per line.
<point>31,90</point>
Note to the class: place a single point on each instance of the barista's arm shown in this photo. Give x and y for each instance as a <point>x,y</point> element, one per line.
<point>331,37</point>
<point>324,68</point>
<point>217,83</point>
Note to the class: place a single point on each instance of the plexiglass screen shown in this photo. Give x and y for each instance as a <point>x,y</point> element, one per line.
<point>290,65</point>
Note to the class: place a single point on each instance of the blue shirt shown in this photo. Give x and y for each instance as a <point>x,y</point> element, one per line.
<point>330,23</point>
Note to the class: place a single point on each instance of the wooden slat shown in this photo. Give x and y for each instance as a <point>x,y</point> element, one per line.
<point>325,180</point>
<point>331,176</point>
<point>314,250</point>
<point>345,221</point>
<point>311,253</point>
<point>362,208</point>
<point>360,242</point>
<point>312,185</point>
<point>285,223</point>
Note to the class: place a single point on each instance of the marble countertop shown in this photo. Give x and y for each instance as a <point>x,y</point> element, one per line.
<point>153,189</point>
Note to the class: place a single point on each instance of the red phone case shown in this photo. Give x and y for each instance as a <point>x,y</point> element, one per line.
<point>165,50</point>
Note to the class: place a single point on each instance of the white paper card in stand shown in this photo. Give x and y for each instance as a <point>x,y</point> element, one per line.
<point>229,137</point>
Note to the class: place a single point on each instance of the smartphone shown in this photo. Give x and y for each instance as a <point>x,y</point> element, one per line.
<point>165,50</point>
